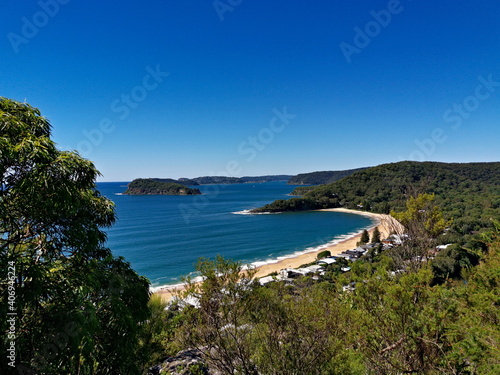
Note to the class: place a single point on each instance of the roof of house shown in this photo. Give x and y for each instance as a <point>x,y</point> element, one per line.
<point>327,260</point>
<point>443,247</point>
<point>342,255</point>
<point>266,280</point>
<point>315,267</point>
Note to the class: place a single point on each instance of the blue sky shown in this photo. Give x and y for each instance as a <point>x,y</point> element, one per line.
<point>239,87</point>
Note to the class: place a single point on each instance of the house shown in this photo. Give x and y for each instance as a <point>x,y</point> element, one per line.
<point>442,247</point>
<point>266,280</point>
<point>368,246</point>
<point>327,260</point>
<point>315,268</point>
<point>343,255</point>
<point>395,239</point>
<point>357,252</point>
<point>293,273</point>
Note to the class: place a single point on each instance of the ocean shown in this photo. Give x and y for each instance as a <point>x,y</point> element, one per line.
<point>162,236</point>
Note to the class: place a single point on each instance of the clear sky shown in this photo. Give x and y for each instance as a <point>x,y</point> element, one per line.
<point>183,88</point>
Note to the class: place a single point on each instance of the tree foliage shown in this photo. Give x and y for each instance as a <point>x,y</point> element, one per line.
<point>219,327</point>
<point>324,177</point>
<point>376,318</point>
<point>77,306</point>
<point>149,186</point>
<point>469,192</point>
<point>324,254</point>
<point>365,237</point>
<point>422,218</point>
<point>376,236</point>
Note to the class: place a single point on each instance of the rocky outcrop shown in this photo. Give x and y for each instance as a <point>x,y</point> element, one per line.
<point>186,362</point>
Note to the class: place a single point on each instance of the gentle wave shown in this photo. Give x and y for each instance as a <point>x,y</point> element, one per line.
<point>256,264</point>
<point>249,212</point>
<point>335,241</point>
<point>157,288</point>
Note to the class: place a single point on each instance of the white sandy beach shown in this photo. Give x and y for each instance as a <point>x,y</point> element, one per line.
<point>385,224</point>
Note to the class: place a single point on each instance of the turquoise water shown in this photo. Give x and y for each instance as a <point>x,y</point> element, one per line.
<point>163,236</point>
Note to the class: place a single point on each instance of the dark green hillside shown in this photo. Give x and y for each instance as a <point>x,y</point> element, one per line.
<point>324,177</point>
<point>182,181</point>
<point>468,192</point>
<point>271,178</point>
<point>142,186</point>
<point>301,190</point>
<point>207,180</point>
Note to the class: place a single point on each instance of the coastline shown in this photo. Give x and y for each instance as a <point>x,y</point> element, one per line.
<point>385,224</point>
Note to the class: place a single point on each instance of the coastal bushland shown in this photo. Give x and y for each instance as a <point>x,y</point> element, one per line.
<point>74,308</point>
<point>68,305</point>
<point>468,193</point>
<point>384,322</point>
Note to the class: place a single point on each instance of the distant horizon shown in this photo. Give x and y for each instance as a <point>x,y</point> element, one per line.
<point>295,174</point>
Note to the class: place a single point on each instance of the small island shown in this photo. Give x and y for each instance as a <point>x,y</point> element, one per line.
<point>149,186</point>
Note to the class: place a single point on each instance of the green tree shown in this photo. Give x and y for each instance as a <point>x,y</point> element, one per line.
<point>77,306</point>
<point>418,227</point>
<point>365,237</point>
<point>400,323</point>
<point>323,254</point>
<point>376,236</point>
<point>219,325</point>
<point>423,217</point>
<point>302,331</point>
<point>475,337</point>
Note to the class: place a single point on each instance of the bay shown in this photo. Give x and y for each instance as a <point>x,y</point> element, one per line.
<point>163,236</point>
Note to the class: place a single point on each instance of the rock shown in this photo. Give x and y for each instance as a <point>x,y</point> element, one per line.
<point>186,362</point>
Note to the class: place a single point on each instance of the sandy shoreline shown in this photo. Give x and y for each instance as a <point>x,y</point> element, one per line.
<point>384,223</point>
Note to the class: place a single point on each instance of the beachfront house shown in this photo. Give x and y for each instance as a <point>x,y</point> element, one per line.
<point>315,268</point>
<point>268,279</point>
<point>327,261</point>
<point>357,252</point>
<point>395,239</point>
<point>293,273</point>
<point>344,256</point>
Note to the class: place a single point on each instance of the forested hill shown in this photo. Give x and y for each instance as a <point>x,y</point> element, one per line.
<point>469,192</point>
<point>182,181</point>
<point>142,186</point>
<point>206,180</point>
<point>323,177</point>
<point>209,180</point>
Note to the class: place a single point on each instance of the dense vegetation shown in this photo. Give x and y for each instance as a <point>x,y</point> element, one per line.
<point>149,186</point>
<point>319,178</point>
<point>74,307</point>
<point>371,320</point>
<point>207,180</point>
<point>469,193</point>
<point>77,309</point>
<point>392,313</point>
<point>182,181</point>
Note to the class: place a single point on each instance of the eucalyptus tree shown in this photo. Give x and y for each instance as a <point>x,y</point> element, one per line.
<point>417,229</point>
<point>74,308</point>
<point>219,326</point>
